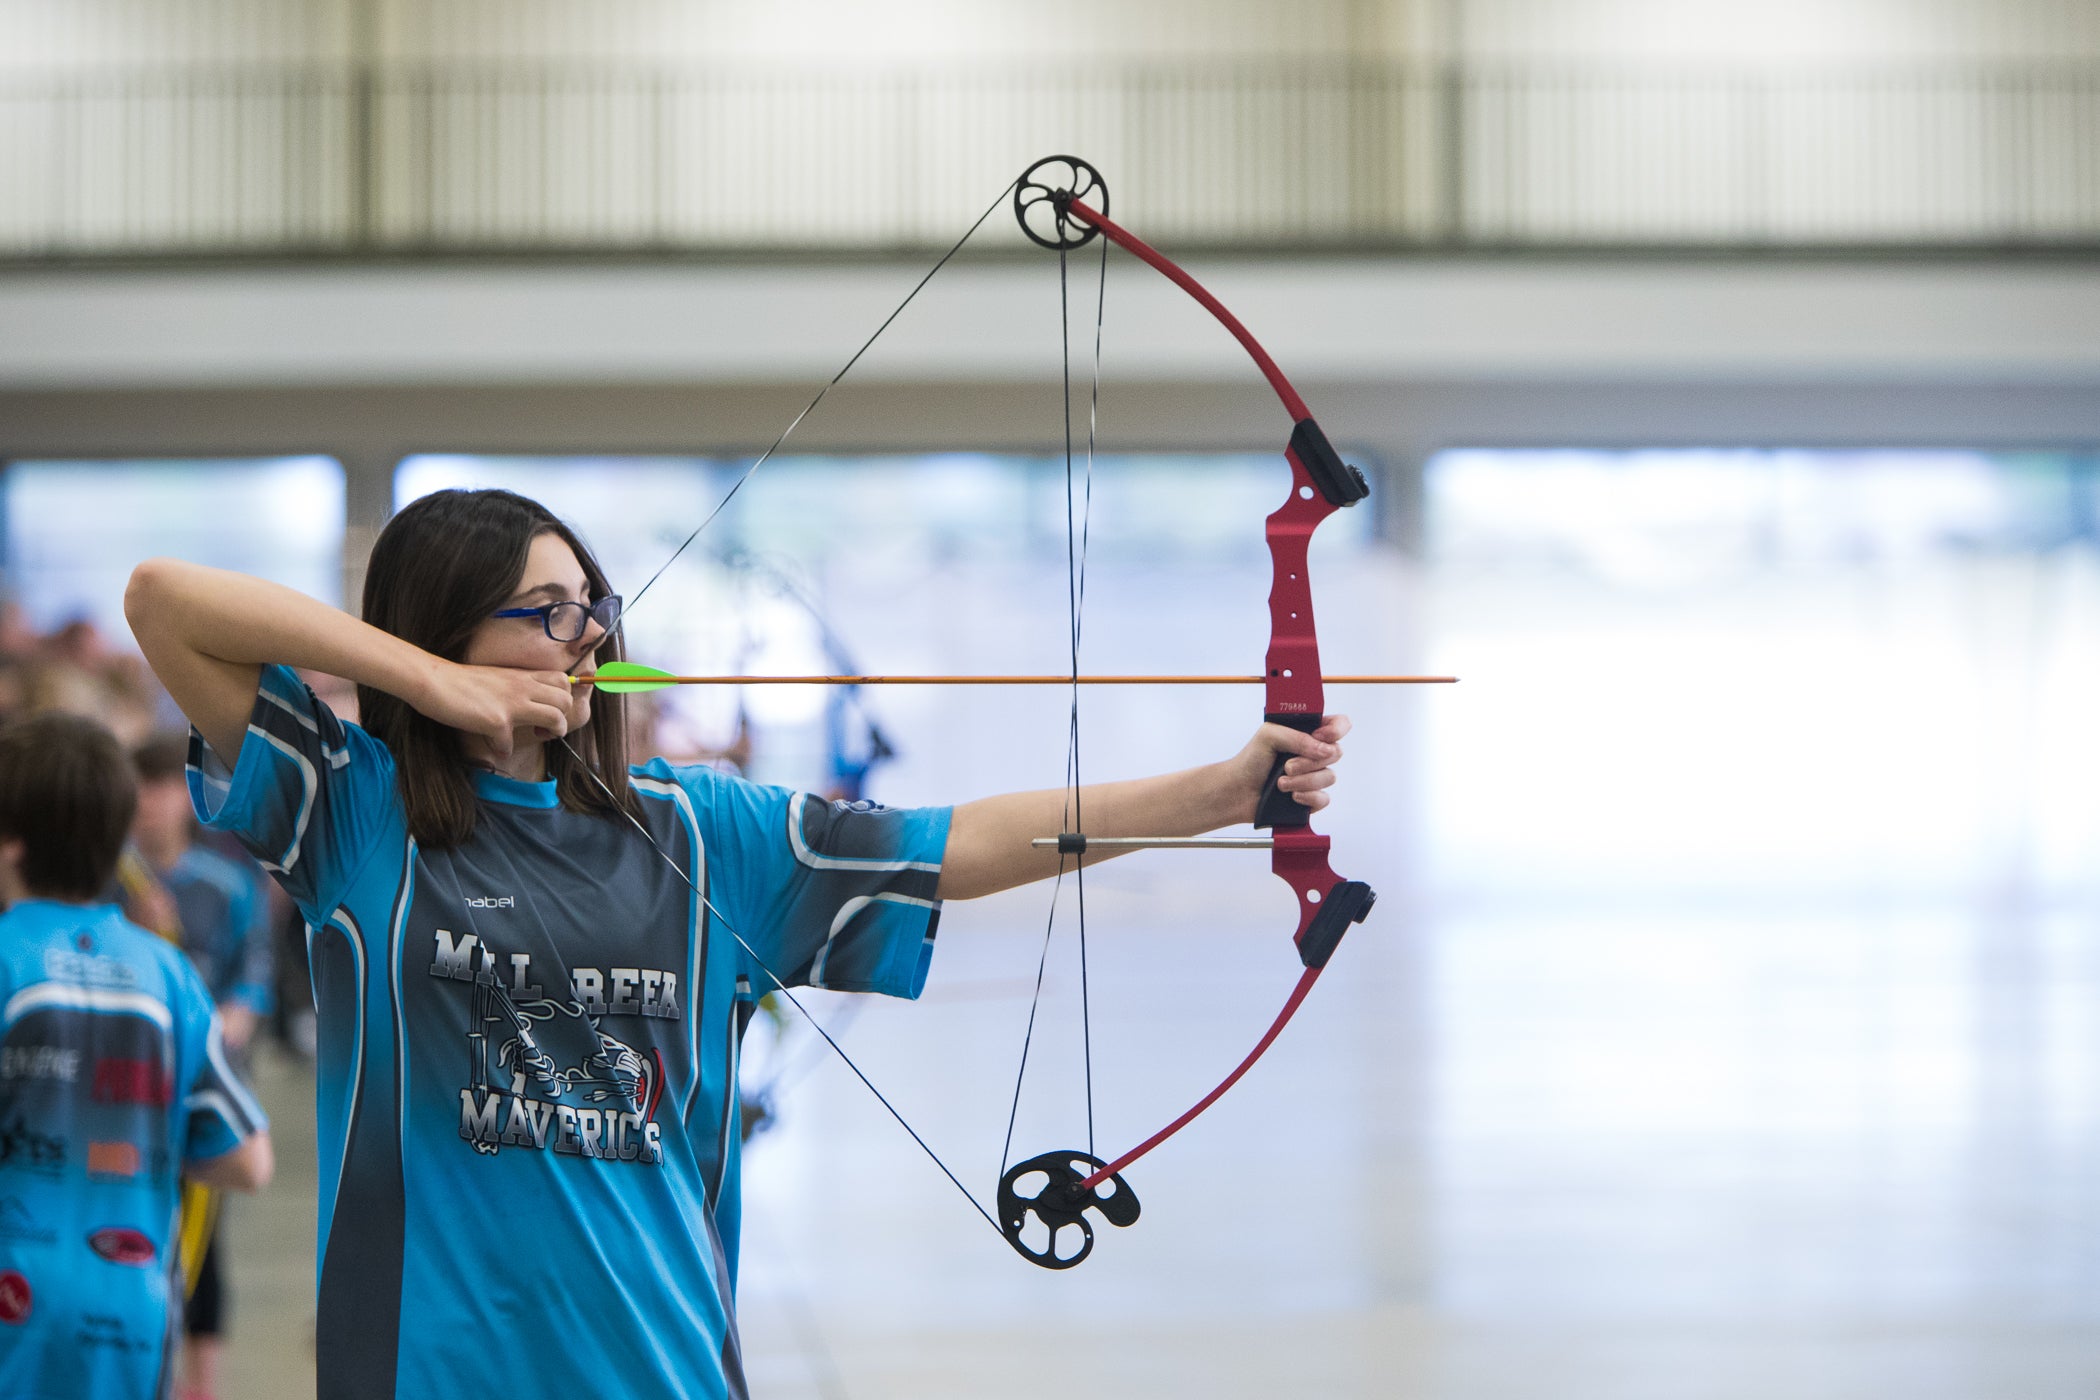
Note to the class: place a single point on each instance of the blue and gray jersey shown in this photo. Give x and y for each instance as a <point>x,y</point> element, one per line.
<point>111,1077</point>
<point>527,1101</point>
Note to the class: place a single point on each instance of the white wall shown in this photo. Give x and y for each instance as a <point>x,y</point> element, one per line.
<point>305,125</point>
<point>1873,31</point>
<point>36,34</point>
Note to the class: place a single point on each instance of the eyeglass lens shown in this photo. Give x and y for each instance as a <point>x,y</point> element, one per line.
<point>566,621</point>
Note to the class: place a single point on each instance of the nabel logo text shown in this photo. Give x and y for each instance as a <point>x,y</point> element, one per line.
<point>501,901</point>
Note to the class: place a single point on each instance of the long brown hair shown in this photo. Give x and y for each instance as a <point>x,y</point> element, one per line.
<point>441,566</point>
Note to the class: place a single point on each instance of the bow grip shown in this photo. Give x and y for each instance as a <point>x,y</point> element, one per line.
<point>1277,807</point>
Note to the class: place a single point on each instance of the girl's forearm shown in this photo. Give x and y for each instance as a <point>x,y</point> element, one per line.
<point>207,632</point>
<point>246,621</point>
<point>988,840</point>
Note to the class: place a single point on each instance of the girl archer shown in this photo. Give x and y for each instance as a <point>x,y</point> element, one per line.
<point>481,827</point>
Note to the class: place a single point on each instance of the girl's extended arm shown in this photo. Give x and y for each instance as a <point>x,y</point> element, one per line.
<point>988,840</point>
<point>208,632</point>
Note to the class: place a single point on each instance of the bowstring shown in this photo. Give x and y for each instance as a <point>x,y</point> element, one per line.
<point>1077,536</point>
<point>619,627</point>
<point>1093,417</point>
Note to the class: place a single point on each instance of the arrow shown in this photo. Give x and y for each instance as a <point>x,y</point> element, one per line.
<point>627,678</point>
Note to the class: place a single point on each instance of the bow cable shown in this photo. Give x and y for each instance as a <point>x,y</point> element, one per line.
<point>810,407</point>
<point>778,984</point>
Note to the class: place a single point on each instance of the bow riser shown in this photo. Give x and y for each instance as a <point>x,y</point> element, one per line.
<point>1294,687</point>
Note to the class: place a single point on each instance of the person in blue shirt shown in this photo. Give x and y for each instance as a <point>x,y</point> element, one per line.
<point>113,1085</point>
<point>222,903</point>
<point>533,962</point>
<point>222,915</point>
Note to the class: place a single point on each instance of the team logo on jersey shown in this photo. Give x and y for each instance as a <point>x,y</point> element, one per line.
<point>608,991</point>
<point>14,1297</point>
<point>120,1244</point>
<point>113,1159</point>
<point>602,1107</point>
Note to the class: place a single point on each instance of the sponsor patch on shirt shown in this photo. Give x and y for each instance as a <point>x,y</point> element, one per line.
<point>133,1081</point>
<point>112,1159</point>
<point>88,969</point>
<point>16,1223</point>
<point>23,1146</point>
<point>14,1297</point>
<point>120,1244</point>
<point>48,1062</point>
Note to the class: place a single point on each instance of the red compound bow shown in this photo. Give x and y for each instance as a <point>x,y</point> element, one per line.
<point>1051,201</point>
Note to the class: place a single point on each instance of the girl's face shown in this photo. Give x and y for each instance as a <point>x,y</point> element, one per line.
<point>551,575</point>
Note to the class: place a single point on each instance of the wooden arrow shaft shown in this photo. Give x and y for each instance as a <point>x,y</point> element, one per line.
<point>1008,680</point>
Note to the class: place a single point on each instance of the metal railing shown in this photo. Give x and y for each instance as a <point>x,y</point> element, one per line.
<point>434,158</point>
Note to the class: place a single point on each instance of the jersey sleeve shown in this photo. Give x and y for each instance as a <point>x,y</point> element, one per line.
<point>306,796</point>
<point>219,1112</point>
<point>839,895</point>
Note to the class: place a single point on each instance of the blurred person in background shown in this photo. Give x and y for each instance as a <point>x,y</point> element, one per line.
<point>75,670</point>
<point>223,920</point>
<point>114,1085</point>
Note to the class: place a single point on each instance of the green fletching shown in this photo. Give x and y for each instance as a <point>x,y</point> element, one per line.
<point>628,678</point>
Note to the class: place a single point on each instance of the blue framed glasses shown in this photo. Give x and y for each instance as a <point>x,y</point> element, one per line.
<point>567,622</point>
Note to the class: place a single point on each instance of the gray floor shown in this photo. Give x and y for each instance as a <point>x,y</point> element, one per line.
<point>1845,1154</point>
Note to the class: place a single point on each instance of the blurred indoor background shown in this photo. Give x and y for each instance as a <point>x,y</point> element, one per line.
<point>1728,378</point>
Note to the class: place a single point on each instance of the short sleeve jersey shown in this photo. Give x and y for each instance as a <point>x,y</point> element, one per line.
<point>111,1076</point>
<point>528,1117</point>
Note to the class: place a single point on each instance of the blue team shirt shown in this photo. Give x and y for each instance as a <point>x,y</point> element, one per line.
<point>528,1117</point>
<point>225,915</point>
<point>111,1076</point>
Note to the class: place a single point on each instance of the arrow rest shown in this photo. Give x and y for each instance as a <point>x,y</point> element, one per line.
<point>1061,1204</point>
